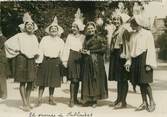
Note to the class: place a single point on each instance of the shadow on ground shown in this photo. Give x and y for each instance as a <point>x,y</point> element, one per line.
<point>45,100</point>
<point>12,103</point>
<point>159,85</point>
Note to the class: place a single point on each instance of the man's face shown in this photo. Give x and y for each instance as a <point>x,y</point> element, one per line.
<point>90,30</point>
<point>29,27</point>
<point>53,30</point>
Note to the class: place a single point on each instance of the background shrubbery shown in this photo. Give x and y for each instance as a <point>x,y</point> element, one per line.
<point>43,13</point>
<point>162,44</point>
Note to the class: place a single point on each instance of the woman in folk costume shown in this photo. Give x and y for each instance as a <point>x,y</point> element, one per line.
<point>143,60</point>
<point>3,68</point>
<point>94,79</point>
<point>24,46</point>
<point>119,54</point>
<point>72,56</point>
<point>51,48</point>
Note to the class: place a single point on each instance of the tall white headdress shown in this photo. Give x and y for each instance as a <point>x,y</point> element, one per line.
<point>79,20</point>
<point>55,23</point>
<point>27,18</point>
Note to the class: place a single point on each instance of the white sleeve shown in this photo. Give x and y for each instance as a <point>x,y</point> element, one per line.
<point>41,51</point>
<point>130,44</point>
<point>66,51</point>
<point>151,52</point>
<point>12,47</point>
<point>61,51</point>
<point>37,46</point>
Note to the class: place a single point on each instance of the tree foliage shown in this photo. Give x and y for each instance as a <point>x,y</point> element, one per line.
<point>162,43</point>
<point>43,12</point>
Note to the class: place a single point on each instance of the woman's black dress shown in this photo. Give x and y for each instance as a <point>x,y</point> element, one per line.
<point>94,79</point>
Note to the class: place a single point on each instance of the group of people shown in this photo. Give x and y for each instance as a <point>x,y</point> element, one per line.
<point>132,57</point>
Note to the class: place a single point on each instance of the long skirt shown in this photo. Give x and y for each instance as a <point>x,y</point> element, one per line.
<point>117,71</point>
<point>3,71</point>
<point>74,66</point>
<point>94,79</point>
<point>25,70</point>
<point>3,77</point>
<point>139,75</point>
<point>49,73</point>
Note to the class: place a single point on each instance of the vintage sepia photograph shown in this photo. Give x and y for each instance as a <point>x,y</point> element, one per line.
<point>83,58</point>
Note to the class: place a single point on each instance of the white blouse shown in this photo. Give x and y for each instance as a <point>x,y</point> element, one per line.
<point>143,41</point>
<point>73,43</point>
<point>23,42</point>
<point>50,47</point>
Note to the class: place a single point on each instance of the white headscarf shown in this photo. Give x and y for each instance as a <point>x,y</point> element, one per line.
<point>27,18</point>
<point>145,18</point>
<point>79,20</point>
<point>55,23</point>
<point>144,21</point>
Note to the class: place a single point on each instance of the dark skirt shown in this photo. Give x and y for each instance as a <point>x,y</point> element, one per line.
<point>139,75</point>
<point>3,69</point>
<point>117,71</point>
<point>49,73</point>
<point>25,70</point>
<point>3,77</point>
<point>94,79</point>
<point>3,86</point>
<point>3,64</point>
<point>74,66</point>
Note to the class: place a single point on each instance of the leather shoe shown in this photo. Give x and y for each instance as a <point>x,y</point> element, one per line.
<point>52,102</point>
<point>151,107</point>
<point>120,105</point>
<point>141,107</point>
<point>71,104</point>
<point>112,104</point>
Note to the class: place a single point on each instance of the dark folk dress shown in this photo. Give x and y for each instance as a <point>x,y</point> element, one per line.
<point>139,75</point>
<point>25,70</point>
<point>74,66</point>
<point>3,68</point>
<point>49,73</point>
<point>94,79</point>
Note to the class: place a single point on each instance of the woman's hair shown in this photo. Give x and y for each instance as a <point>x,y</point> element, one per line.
<point>133,22</point>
